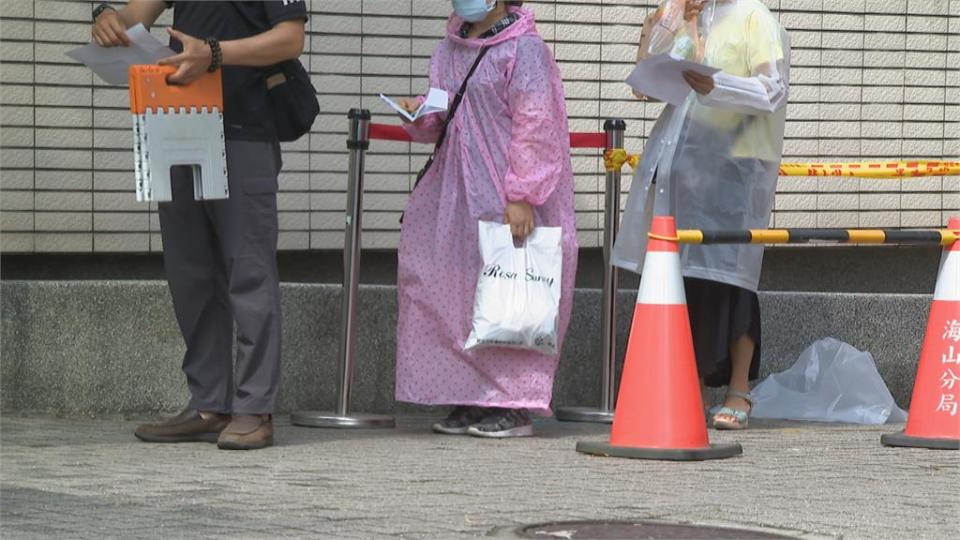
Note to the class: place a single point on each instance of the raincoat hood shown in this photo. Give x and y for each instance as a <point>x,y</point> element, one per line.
<point>524,26</point>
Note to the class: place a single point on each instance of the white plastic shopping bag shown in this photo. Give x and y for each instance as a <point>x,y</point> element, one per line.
<point>830,382</point>
<point>518,293</point>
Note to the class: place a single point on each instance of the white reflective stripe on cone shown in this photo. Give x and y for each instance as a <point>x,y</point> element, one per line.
<point>661,282</point>
<point>948,280</point>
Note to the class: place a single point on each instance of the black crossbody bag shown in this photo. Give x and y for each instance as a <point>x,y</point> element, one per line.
<point>450,114</point>
<point>292,96</point>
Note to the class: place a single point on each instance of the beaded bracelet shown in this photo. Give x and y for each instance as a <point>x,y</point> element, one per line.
<point>217,55</point>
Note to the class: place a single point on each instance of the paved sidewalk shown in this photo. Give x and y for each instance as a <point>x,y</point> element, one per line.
<point>92,479</point>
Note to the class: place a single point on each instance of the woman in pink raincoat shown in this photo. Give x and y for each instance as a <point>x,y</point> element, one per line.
<point>506,157</point>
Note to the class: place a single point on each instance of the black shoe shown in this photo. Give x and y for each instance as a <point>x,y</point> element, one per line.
<point>503,423</point>
<point>460,420</point>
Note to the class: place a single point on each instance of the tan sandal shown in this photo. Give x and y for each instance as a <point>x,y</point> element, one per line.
<point>740,419</point>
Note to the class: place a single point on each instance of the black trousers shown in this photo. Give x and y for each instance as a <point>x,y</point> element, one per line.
<point>221,264</point>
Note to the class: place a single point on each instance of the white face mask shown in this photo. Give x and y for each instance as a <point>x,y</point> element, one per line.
<point>473,10</point>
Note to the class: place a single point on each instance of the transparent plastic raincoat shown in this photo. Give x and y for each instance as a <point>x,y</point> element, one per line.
<point>713,162</point>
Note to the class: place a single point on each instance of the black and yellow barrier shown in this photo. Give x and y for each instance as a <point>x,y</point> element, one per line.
<point>941,237</point>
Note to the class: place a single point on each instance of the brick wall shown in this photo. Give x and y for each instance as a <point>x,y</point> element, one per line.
<point>871,79</point>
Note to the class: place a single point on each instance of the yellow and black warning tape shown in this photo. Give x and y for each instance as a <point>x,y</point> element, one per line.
<point>942,237</point>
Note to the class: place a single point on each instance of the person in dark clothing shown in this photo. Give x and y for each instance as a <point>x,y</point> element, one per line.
<point>220,256</point>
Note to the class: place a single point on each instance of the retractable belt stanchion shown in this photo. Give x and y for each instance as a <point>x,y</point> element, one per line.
<point>614,129</point>
<point>361,132</point>
<point>358,142</point>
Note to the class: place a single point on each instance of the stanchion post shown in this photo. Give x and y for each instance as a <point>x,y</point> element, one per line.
<point>615,139</point>
<point>615,129</point>
<point>358,142</point>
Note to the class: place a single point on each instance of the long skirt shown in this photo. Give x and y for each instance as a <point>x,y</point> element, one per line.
<point>719,315</point>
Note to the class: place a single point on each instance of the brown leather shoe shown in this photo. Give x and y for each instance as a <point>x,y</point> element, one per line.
<point>247,432</point>
<point>188,426</point>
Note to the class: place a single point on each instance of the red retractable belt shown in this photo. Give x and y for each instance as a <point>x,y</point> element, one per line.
<point>388,132</point>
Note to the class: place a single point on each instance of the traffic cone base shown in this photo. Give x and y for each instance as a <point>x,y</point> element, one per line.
<point>902,439</point>
<point>713,451</point>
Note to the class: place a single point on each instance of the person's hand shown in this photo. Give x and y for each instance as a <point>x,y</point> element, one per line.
<point>192,62</point>
<point>643,48</point>
<point>693,9</point>
<point>701,84</point>
<point>108,30</point>
<point>409,105</point>
<point>519,215</point>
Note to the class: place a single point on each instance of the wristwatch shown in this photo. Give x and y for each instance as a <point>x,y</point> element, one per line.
<point>97,11</point>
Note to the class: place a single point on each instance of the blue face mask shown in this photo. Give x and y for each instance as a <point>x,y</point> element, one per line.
<point>473,10</point>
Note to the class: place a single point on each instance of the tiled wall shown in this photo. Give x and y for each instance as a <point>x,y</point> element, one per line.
<point>871,79</point>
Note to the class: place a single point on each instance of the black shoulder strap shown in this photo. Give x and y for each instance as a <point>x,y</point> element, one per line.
<point>450,114</point>
<point>458,98</point>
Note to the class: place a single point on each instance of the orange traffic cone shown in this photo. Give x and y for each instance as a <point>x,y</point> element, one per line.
<point>934,420</point>
<point>659,413</point>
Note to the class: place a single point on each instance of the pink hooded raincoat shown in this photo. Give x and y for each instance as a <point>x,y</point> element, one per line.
<point>509,141</point>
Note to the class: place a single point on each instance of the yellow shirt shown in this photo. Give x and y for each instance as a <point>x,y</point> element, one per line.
<point>743,41</point>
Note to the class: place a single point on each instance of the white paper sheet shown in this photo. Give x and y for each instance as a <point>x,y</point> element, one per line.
<point>112,63</point>
<point>661,77</point>
<point>436,101</point>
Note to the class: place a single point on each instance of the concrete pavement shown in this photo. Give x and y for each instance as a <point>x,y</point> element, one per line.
<point>84,478</point>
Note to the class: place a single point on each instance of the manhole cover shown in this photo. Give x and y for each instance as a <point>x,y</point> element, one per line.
<point>647,530</point>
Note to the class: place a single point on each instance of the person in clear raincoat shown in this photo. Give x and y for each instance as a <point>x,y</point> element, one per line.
<point>506,157</point>
<point>712,163</point>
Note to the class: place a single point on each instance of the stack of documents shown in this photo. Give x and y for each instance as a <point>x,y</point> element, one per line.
<point>661,77</point>
<point>111,63</point>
